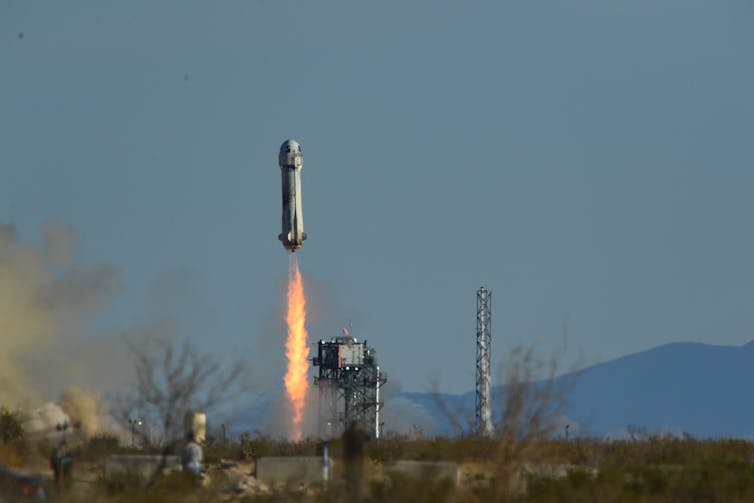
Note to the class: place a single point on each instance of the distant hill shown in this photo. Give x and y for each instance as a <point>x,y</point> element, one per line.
<point>696,388</point>
<point>704,390</point>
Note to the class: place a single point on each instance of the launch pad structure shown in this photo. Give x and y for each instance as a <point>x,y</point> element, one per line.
<point>349,381</point>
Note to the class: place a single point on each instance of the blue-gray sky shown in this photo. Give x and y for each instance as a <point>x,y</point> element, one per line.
<point>585,160</point>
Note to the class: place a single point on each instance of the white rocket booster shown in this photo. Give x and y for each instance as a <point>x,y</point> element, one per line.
<point>291,162</point>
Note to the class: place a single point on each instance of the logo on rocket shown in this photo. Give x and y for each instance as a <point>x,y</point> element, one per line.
<point>291,161</point>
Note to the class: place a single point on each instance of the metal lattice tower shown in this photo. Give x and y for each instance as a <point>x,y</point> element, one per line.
<point>349,382</point>
<point>483,339</point>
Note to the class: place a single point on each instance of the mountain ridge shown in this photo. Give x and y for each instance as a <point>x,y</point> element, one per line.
<point>690,387</point>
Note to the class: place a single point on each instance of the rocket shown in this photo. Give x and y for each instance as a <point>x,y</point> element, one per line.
<point>291,161</point>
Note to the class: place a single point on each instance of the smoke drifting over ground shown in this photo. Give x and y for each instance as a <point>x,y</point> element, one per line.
<point>277,417</point>
<point>78,408</point>
<point>402,416</point>
<point>47,306</point>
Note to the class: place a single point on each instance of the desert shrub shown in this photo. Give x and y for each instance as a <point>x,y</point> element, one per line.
<point>707,474</point>
<point>97,448</point>
<point>16,449</point>
<point>214,452</point>
<point>261,445</point>
<point>400,488</point>
<point>11,425</point>
<point>437,449</point>
<point>10,455</point>
<point>175,486</point>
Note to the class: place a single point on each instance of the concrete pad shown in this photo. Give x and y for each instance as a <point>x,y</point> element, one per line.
<point>435,470</point>
<point>143,466</point>
<point>290,469</point>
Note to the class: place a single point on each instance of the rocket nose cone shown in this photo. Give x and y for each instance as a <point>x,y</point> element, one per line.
<point>290,154</point>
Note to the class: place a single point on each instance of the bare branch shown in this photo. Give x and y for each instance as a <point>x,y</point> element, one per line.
<point>172,380</point>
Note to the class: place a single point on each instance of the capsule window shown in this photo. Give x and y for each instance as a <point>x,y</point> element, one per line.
<point>288,148</point>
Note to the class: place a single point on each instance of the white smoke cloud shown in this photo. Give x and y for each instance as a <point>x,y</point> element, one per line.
<point>44,420</point>
<point>402,416</point>
<point>48,304</point>
<point>85,411</point>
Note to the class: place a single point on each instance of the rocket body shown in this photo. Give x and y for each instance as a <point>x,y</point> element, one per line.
<point>291,161</point>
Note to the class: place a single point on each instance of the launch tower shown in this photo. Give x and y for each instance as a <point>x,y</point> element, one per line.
<point>349,381</point>
<point>483,338</point>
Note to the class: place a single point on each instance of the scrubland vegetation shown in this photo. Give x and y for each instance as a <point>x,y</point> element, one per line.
<point>649,468</point>
<point>524,462</point>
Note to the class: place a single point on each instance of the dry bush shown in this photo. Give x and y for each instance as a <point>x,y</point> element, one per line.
<point>175,486</point>
<point>438,449</point>
<point>11,456</point>
<point>173,379</point>
<point>658,469</point>
<point>533,398</point>
<point>16,450</point>
<point>11,425</point>
<point>97,448</point>
<point>400,488</point>
<point>262,445</point>
<point>531,402</point>
<point>247,447</point>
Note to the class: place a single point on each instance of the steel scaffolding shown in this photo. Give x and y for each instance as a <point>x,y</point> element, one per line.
<point>349,382</point>
<point>484,423</point>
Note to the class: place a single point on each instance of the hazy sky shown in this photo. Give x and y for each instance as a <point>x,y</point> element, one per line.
<point>585,160</point>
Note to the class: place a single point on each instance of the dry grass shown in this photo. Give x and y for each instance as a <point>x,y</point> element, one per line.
<point>651,469</point>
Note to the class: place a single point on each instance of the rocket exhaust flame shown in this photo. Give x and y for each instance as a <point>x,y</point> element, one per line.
<point>296,349</point>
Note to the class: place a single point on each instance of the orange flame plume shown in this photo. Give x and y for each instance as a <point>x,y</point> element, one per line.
<point>296,349</point>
